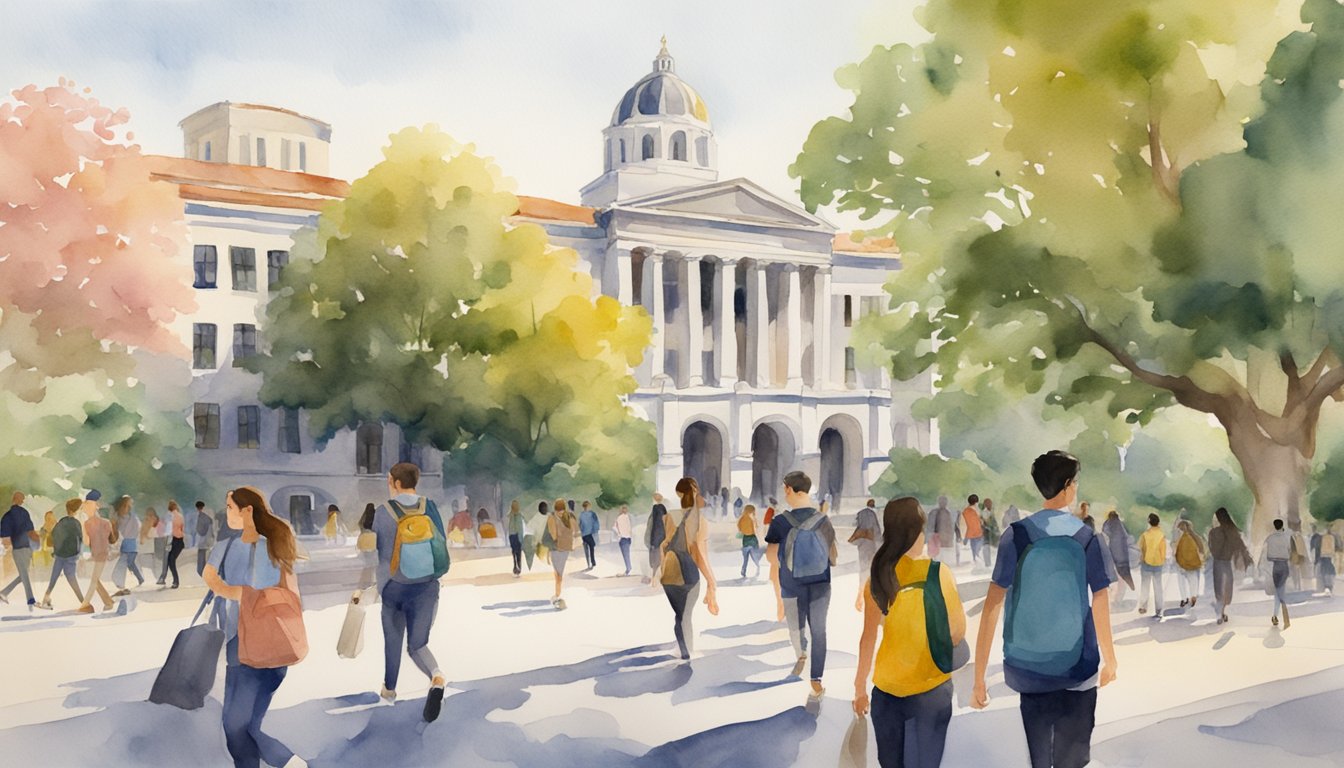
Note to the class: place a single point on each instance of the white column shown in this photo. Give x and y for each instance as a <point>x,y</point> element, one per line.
<point>695,324</point>
<point>758,323</point>
<point>821,329</point>
<point>653,302</point>
<point>725,344</point>
<point>793,316</point>
<point>625,288</point>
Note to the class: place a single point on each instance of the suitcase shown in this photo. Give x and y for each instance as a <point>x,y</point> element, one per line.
<point>351,640</point>
<point>188,674</point>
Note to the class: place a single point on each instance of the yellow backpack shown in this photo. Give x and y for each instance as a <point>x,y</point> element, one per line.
<point>1187,553</point>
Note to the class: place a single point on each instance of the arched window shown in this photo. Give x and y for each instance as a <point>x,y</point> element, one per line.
<point>702,151</point>
<point>622,150</point>
<point>648,146</point>
<point>369,449</point>
<point>679,146</point>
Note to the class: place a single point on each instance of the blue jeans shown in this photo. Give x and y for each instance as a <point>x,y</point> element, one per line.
<point>1059,727</point>
<point>126,561</point>
<point>590,549</point>
<point>625,553</point>
<point>913,726</point>
<point>976,544</point>
<point>808,611</point>
<point>22,557</point>
<point>1280,576</point>
<point>408,610</point>
<point>65,565</point>
<point>247,696</point>
<point>516,545</point>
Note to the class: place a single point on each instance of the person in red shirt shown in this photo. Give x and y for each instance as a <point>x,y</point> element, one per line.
<point>769,512</point>
<point>971,529</point>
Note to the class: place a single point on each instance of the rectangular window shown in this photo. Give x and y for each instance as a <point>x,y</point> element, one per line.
<point>303,156</point>
<point>408,452</point>
<point>249,426</point>
<point>849,311</point>
<point>203,346</point>
<point>244,262</point>
<point>245,150</point>
<point>276,261</point>
<point>286,152</point>
<point>207,152</point>
<point>206,418</point>
<point>851,377</point>
<point>261,151</point>
<point>205,261</point>
<point>244,341</point>
<point>289,431</point>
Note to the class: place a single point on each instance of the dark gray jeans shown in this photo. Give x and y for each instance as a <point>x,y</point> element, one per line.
<point>912,730</point>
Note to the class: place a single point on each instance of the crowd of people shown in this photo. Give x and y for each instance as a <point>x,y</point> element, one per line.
<point>1055,576</point>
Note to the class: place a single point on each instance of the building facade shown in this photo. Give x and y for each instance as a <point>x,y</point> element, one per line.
<point>750,373</point>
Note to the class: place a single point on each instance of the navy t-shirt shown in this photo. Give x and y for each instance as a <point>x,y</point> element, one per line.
<point>15,526</point>
<point>778,533</point>
<point>1099,576</point>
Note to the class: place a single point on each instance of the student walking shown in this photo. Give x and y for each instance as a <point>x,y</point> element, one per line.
<point>801,550</point>
<point>517,528</point>
<point>912,690</point>
<point>562,527</point>
<point>1152,558</point>
<point>654,534</point>
<point>1324,545</point>
<point>98,532</point>
<point>367,547</point>
<point>751,543</point>
<point>991,528</point>
<point>623,533</point>
<point>1227,549</point>
<point>685,562</point>
<point>867,534</point>
<point>67,538</point>
<point>971,528</point>
<point>205,536</point>
<point>941,532</point>
<point>588,529</point>
<point>160,533</point>
<point>128,532</point>
<point>17,528</point>
<point>331,530</point>
<point>43,555</point>
<point>1278,551</point>
<point>412,557</point>
<point>1117,543</point>
<point>177,529</point>
<point>1190,556</point>
<point>260,558</point>
<point>1057,632</point>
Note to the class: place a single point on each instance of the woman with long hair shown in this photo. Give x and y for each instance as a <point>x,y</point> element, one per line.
<point>262,556</point>
<point>563,529</point>
<point>1228,549</point>
<point>1190,554</point>
<point>909,689</point>
<point>1118,543</point>
<point>751,543</point>
<point>686,541</point>
<point>179,540</point>
<point>367,547</point>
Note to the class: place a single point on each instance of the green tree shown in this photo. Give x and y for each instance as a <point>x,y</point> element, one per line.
<point>1094,206</point>
<point>414,301</point>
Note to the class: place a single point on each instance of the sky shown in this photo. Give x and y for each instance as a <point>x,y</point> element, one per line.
<point>531,84</point>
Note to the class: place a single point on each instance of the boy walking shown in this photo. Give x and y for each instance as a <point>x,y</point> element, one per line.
<point>1152,556</point>
<point>801,550</point>
<point>971,529</point>
<point>1057,634</point>
<point>17,526</point>
<point>588,528</point>
<point>98,532</point>
<point>66,541</point>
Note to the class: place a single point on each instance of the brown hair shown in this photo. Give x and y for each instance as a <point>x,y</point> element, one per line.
<point>280,544</point>
<point>405,473</point>
<point>172,507</point>
<point>123,505</point>
<point>902,524</point>
<point>72,506</point>
<point>688,491</point>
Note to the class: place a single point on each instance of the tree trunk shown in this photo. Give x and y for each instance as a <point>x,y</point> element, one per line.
<point>1277,476</point>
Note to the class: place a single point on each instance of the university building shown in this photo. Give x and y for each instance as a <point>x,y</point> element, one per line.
<point>750,373</point>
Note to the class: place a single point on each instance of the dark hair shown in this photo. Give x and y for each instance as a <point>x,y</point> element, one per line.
<point>902,524</point>
<point>1153,519</point>
<point>1224,519</point>
<point>1278,524</point>
<point>200,505</point>
<point>973,499</point>
<point>871,502</point>
<point>333,508</point>
<point>688,492</point>
<point>798,481</point>
<point>1053,471</point>
<point>72,506</point>
<point>280,545</point>
<point>366,517</point>
<point>405,473</point>
<point>1090,523</point>
<point>543,507</point>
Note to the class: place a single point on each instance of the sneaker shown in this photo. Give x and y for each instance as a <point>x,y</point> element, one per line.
<point>121,592</point>
<point>4,599</point>
<point>174,586</point>
<point>817,691</point>
<point>1274,620</point>
<point>1184,603</point>
<point>85,609</point>
<point>1142,611</point>
<point>109,606</point>
<point>44,605</point>
<point>1157,615</point>
<point>388,696</point>
<point>159,582</point>
<point>798,667</point>
<point>433,703</point>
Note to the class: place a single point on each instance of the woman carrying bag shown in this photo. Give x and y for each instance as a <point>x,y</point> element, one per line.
<point>262,619</point>
<point>914,602</point>
<point>685,559</point>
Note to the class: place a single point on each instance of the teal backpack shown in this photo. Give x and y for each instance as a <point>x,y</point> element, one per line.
<point>1048,603</point>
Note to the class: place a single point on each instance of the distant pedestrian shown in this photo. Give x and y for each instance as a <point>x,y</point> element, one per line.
<point>17,528</point>
<point>1228,550</point>
<point>1278,551</point>
<point>751,542</point>
<point>1010,516</point>
<point>149,537</point>
<point>261,557</point>
<point>1324,545</point>
<point>867,534</point>
<point>367,547</point>
<point>589,526</point>
<point>771,507</point>
<point>412,557</point>
<point>161,536</point>
<point>1152,558</point>
<point>1190,556</point>
<point>517,528</point>
<point>622,530</point>
<point>991,528</point>
<point>653,536</point>
<point>331,531</point>
<point>128,534</point>
<point>67,538</point>
<point>98,534</point>
<point>939,529</point>
<point>685,561</point>
<point>42,558</point>
<point>971,528</point>
<point>563,528</point>
<point>1117,543</point>
<point>537,543</point>
<point>205,536</point>
<point>801,550</point>
<point>912,694</point>
<point>1057,634</point>
<point>177,529</point>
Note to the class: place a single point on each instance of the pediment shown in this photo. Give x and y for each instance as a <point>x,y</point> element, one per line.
<point>735,200</point>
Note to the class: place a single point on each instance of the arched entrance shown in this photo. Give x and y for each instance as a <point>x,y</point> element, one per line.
<point>773,454</point>
<point>702,455</point>
<point>832,480</point>
<point>841,472</point>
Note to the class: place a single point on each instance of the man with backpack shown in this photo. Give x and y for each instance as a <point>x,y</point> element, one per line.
<point>801,550</point>
<point>205,536</point>
<point>17,527</point>
<point>412,556</point>
<point>1325,545</point>
<point>589,525</point>
<point>67,538</point>
<point>1057,633</point>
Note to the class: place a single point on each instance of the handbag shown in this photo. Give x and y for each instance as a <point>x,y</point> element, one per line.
<point>679,569</point>
<point>188,674</point>
<point>351,640</point>
<point>270,624</point>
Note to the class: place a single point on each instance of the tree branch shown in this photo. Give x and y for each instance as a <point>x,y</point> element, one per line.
<point>1328,385</point>
<point>1295,389</point>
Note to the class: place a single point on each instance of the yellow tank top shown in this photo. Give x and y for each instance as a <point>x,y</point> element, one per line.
<point>903,666</point>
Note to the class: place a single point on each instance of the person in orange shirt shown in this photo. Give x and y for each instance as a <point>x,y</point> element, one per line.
<point>178,541</point>
<point>971,529</point>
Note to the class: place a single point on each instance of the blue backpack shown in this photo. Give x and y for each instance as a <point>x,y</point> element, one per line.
<point>805,551</point>
<point>1043,630</point>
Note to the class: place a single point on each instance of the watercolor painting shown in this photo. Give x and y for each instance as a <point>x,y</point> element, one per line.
<point>580,384</point>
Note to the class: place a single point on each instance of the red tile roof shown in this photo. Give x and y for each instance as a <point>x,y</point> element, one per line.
<point>844,242</point>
